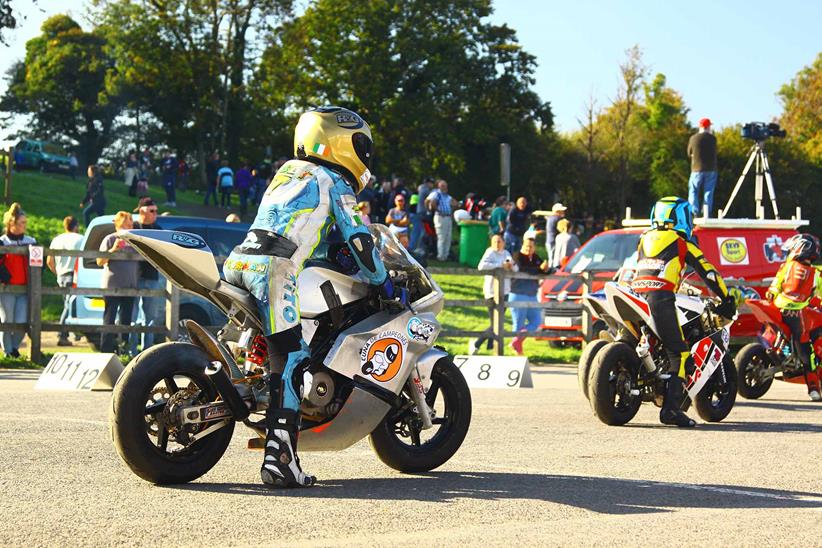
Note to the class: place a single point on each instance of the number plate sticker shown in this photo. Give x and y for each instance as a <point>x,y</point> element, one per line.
<point>495,371</point>
<point>558,321</point>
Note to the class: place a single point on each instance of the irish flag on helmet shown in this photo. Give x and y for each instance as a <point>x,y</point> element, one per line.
<point>320,149</point>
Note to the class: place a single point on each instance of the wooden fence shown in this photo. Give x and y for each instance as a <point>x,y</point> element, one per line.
<point>36,290</point>
<point>583,280</point>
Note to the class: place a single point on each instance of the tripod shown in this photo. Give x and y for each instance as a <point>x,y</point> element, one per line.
<point>763,172</point>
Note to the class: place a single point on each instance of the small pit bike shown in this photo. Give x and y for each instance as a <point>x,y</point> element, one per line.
<point>773,356</point>
<point>632,368</point>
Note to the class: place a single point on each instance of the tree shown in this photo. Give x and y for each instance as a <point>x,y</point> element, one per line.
<point>62,83</point>
<point>186,64</point>
<point>802,115</point>
<point>440,86</point>
<point>664,117</point>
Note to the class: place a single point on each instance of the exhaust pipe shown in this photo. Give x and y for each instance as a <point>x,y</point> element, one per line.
<point>216,370</point>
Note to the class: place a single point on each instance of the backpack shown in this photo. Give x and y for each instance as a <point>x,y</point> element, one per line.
<point>226,180</point>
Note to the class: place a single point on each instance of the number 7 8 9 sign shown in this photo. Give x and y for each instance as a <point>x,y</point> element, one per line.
<point>495,371</point>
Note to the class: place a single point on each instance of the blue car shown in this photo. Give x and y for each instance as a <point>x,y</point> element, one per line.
<point>220,236</point>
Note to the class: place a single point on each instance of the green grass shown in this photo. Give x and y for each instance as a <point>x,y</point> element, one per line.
<point>476,319</point>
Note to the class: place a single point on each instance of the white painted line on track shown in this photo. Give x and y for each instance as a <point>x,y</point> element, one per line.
<point>21,417</point>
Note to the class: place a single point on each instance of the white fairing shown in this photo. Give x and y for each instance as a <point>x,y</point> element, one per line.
<point>625,304</point>
<point>312,302</point>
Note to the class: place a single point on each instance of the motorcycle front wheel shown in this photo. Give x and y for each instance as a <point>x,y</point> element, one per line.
<point>613,376</point>
<point>399,440</point>
<point>717,397</point>
<point>145,426</point>
<point>751,362</point>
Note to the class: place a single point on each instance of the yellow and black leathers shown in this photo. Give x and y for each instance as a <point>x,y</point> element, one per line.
<point>661,259</point>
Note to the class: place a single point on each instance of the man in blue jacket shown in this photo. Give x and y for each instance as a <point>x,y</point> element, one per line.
<point>307,196</point>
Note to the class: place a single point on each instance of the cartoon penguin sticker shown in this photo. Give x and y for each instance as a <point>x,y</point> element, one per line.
<point>382,358</point>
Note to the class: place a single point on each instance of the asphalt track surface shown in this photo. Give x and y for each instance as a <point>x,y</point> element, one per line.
<point>537,468</point>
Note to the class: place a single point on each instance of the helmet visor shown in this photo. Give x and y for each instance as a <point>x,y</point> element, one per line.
<point>363,147</point>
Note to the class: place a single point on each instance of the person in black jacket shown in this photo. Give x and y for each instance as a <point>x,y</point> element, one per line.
<point>94,201</point>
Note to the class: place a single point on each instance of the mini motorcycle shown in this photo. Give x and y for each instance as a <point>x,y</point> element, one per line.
<point>773,356</point>
<point>631,369</point>
<point>374,370</point>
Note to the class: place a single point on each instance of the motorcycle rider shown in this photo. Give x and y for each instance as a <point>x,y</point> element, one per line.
<point>795,284</point>
<point>663,252</point>
<point>306,198</point>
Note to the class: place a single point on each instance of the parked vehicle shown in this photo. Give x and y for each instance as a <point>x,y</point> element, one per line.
<point>175,406</point>
<point>220,236</point>
<point>744,251</point>
<point>631,370</point>
<point>41,155</point>
<point>773,356</point>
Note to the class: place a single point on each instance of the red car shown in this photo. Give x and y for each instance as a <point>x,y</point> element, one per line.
<point>749,249</point>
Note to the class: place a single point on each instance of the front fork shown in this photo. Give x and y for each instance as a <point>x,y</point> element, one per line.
<point>417,391</point>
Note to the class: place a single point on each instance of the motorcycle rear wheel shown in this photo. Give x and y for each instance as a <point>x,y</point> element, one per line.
<point>140,397</point>
<point>585,362</point>
<point>715,401</point>
<point>613,374</point>
<point>397,440</point>
<point>749,363</point>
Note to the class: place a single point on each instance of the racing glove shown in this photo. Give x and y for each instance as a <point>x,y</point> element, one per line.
<point>391,292</point>
<point>727,308</point>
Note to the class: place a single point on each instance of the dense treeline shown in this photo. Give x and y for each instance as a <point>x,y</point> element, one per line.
<point>440,84</point>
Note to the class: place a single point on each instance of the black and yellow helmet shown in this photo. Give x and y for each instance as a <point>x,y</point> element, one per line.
<point>337,138</point>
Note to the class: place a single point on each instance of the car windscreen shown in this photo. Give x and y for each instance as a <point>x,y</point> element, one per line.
<point>53,149</point>
<point>94,238</point>
<point>603,252</point>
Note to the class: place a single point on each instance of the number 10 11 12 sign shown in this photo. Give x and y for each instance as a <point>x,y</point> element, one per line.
<point>80,371</point>
<point>495,371</point>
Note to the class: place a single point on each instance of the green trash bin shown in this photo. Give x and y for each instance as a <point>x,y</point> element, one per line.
<point>473,242</point>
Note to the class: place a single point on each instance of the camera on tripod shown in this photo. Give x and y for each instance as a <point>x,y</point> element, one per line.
<point>759,131</point>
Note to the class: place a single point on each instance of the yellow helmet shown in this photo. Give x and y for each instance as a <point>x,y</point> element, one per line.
<point>336,138</point>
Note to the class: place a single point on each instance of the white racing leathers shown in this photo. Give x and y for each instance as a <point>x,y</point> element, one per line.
<point>299,207</point>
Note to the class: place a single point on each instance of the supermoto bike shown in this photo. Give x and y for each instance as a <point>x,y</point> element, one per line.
<point>633,368</point>
<point>773,356</point>
<point>374,370</point>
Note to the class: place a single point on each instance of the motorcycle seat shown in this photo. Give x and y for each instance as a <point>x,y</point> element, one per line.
<point>244,303</point>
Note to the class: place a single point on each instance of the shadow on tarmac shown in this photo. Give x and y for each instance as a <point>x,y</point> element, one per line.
<point>748,426</point>
<point>597,494</point>
<point>795,405</point>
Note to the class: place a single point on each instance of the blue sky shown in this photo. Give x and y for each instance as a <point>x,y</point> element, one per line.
<point>727,58</point>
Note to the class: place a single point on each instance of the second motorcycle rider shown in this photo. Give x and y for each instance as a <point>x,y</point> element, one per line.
<point>306,198</point>
<point>663,252</point>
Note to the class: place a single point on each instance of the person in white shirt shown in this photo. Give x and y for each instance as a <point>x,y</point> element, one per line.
<point>63,267</point>
<point>565,245</point>
<point>494,257</point>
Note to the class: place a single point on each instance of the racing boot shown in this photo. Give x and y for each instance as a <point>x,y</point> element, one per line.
<point>671,412</point>
<point>281,466</point>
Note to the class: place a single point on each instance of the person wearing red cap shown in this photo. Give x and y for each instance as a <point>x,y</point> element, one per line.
<point>702,183</point>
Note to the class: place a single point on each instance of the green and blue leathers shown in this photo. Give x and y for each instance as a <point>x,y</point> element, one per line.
<point>301,205</point>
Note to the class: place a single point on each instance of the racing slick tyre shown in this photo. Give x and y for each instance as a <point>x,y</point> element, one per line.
<point>145,430</point>
<point>585,360</point>
<point>399,440</point>
<point>613,376</point>
<point>751,361</point>
<point>717,397</point>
